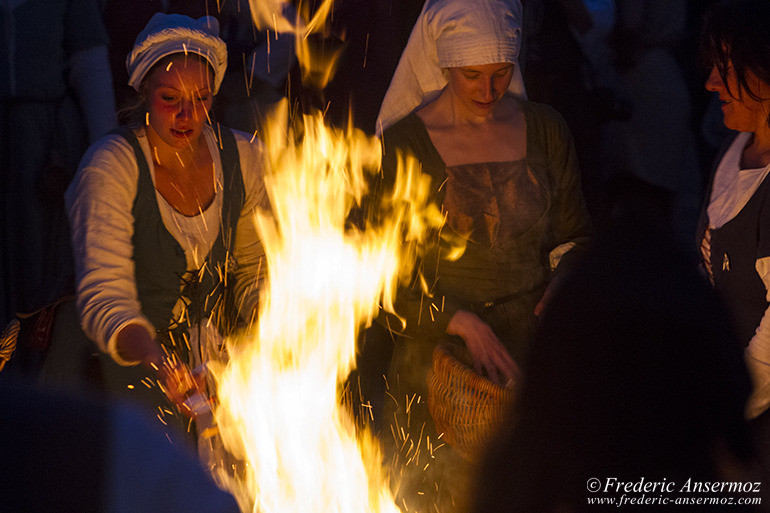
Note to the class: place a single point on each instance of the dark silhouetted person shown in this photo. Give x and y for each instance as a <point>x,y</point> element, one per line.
<point>635,373</point>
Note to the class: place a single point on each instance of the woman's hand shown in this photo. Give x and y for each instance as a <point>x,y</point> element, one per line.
<point>182,387</point>
<point>487,351</point>
<point>135,343</point>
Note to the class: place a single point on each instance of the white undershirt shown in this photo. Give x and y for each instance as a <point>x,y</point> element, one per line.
<point>196,234</point>
<point>733,187</point>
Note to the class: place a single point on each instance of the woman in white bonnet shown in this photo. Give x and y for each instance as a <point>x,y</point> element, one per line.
<point>505,172</point>
<point>161,213</point>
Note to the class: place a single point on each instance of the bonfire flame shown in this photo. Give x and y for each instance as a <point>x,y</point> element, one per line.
<point>317,67</point>
<point>291,444</point>
<point>279,407</point>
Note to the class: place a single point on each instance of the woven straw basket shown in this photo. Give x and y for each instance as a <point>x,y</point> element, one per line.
<point>465,406</point>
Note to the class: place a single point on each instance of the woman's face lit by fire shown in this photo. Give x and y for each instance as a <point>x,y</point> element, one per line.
<point>744,111</point>
<point>178,98</point>
<point>478,88</point>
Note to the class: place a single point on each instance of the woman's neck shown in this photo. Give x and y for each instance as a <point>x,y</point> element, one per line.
<point>757,153</point>
<point>447,112</point>
<point>501,139</point>
<point>166,156</point>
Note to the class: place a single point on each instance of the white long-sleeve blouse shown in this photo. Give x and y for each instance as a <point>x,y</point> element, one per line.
<point>99,204</point>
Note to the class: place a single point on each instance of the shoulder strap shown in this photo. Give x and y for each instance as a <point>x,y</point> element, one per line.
<point>128,134</point>
<point>144,169</point>
<point>233,183</point>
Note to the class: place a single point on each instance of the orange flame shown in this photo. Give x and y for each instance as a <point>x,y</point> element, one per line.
<point>279,408</point>
<point>317,66</point>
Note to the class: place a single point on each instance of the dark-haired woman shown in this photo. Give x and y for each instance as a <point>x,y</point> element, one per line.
<point>734,229</point>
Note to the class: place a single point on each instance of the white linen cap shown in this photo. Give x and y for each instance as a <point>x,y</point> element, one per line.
<point>450,34</point>
<point>166,34</point>
<point>477,32</point>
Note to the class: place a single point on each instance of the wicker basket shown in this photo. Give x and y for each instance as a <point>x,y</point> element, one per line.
<point>466,407</point>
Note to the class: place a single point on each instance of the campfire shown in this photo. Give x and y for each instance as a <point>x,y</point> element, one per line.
<point>288,444</point>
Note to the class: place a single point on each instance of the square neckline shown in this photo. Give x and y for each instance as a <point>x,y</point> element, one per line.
<point>435,153</point>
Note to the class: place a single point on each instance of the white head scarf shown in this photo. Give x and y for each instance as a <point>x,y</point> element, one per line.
<point>166,34</point>
<point>450,34</point>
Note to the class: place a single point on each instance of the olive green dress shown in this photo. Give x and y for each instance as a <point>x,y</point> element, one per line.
<point>511,215</point>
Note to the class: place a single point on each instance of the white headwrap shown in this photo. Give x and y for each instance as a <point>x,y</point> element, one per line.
<point>450,34</point>
<point>166,34</point>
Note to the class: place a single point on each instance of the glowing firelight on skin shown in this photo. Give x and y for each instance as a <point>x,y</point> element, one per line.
<point>279,407</point>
